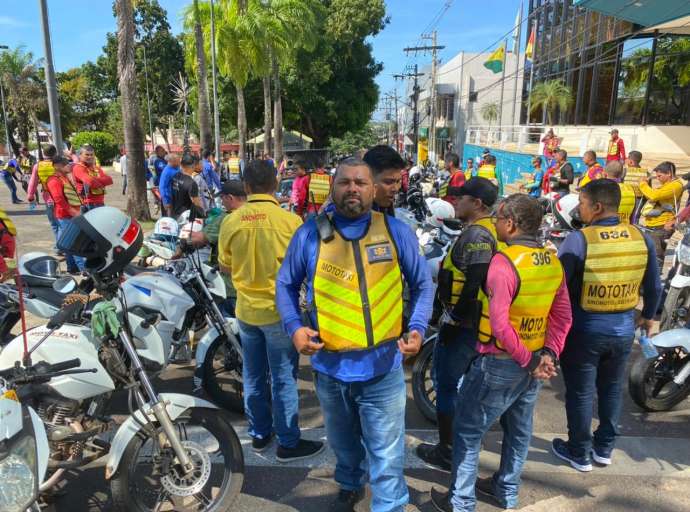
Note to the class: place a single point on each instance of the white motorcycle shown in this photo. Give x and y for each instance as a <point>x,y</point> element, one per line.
<point>677,302</point>
<point>174,451</point>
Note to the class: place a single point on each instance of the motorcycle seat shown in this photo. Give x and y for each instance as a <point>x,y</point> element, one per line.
<point>48,295</point>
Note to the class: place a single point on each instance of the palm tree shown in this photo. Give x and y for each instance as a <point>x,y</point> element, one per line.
<point>194,18</point>
<point>490,111</point>
<point>180,90</point>
<point>550,95</point>
<point>268,118</point>
<point>137,203</point>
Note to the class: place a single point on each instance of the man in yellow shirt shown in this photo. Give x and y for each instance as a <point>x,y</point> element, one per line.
<point>251,247</point>
<point>663,203</point>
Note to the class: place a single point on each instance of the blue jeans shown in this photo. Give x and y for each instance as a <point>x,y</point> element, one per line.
<point>593,363</point>
<point>366,421</point>
<point>450,362</point>
<point>493,388</point>
<point>9,181</point>
<point>270,356</point>
<point>73,262</point>
<point>54,224</point>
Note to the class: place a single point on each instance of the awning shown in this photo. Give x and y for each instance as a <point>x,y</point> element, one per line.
<point>679,26</point>
<point>643,12</point>
<point>259,139</point>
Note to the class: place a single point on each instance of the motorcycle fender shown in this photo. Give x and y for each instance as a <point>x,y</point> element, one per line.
<point>680,281</point>
<point>42,447</point>
<point>175,404</point>
<point>205,342</point>
<point>673,338</point>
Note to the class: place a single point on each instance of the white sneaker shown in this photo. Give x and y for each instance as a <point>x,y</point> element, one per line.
<point>604,461</point>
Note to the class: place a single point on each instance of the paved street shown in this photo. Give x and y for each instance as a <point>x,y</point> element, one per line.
<point>651,469</point>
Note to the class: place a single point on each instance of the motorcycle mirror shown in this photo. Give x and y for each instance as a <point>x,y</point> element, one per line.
<point>65,285</point>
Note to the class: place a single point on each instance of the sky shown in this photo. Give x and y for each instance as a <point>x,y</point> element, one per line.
<point>78,29</point>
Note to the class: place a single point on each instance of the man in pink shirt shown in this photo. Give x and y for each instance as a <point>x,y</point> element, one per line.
<point>39,174</point>
<point>526,316</point>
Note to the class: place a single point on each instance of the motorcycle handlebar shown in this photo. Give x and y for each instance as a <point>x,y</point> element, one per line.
<point>65,365</point>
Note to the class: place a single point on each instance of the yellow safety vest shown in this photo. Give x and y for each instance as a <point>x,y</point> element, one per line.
<point>627,206</point>
<point>358,289</point>
<point>24,164</point>
<point>7,223</point>
<point>635,174</point>
<point>319,188</point>
<point>45,171</point>
<point>68,190</point>
<point>94,173</point>
<point>234,165</point>
<point>615,263</point>
<point>540,275</point>
<point>613,147</point>
<point>586,178</point>
<point>459,279</point>
<point>487,171</point>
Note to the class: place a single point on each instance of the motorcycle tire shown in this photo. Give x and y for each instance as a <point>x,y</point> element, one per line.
<point>675,298</point>
<point>230,399</point>
<point>641,389</point>
<point>423,389</point>
<point>127,498</point>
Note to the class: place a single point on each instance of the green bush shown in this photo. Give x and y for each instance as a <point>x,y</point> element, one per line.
<point>103,143</point>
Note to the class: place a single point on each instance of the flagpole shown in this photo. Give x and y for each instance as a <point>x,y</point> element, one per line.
<point>503,84</point>
<point>517,65</point>
<point>531,74</point>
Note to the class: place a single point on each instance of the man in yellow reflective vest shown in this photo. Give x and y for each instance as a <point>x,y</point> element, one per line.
<point>608,265</point>
<point>459,290</point>
<point>631,197</point>
<point>235,166</point>
<point>594,169</point>
<point>39,175</point>
<point>525,319</point>
<point>353,260</point>
<point>634,172</point>
<point>7,246</point>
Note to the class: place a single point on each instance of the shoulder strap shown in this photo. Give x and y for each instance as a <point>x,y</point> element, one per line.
<point>324,226</point>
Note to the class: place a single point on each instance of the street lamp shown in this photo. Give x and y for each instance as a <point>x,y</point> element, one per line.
<point>51,84</point>
<point>4,111</point>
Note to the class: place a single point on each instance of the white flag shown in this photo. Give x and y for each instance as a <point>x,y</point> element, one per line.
<point>516,42</point>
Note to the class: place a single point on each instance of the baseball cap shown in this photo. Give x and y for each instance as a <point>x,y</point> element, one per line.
<point>480,188</point>
<point>232,188</point>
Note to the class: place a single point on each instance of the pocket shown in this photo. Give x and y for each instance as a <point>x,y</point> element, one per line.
<point>497,389</point>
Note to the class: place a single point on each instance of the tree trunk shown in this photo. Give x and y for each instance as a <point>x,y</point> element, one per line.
<point>277,116</point>
<point>241,122</point>
<point>137,204</point>
<point>38,140</point>
<point>205,136</point>
<point>164,134</point>
<point>268,119</point>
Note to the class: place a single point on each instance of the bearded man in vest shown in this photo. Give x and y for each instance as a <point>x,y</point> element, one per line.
<point>524,322</point>
<point>459,293</point>
<point>607,265</point>
<point>354,260</point>
<point>39,175</point>
<point>67,204</point>
<point>631,197</point>
<point>90,178</point>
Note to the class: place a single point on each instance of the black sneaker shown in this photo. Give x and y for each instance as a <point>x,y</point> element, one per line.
<point>561,450</point>
<point>485,486</point>
<point>441,500</point>
<point>259,444</point>
<point>346,501</point>
<point>303,450</point>
<point>434,455</point>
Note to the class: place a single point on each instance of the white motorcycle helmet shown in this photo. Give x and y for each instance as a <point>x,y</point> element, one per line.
<point>38,268</point>
<point>438,210</point>
<point>166,227</point>
<point>567,212</point>
<point>107,238</point>
<point>186,228</point>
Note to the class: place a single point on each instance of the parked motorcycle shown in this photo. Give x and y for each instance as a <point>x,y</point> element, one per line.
<point>677,303</point>
<point>660,383</point>
<point>174,451</point>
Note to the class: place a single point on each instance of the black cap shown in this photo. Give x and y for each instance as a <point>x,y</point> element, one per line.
<point>480,188</point>
<point>232,188</point>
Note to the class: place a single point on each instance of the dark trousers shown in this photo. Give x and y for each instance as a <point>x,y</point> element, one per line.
<point>594,364</point>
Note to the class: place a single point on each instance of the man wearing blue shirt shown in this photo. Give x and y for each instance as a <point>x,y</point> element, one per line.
<point>165,183</point>
<point>209,173</point>
<point>606,265</point>
<point>159,164</point>
<point>354,261</point>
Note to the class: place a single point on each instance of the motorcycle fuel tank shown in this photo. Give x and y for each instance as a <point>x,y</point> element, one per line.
<point>160,292</point>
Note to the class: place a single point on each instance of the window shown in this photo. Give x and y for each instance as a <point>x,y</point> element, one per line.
<point>632,81</point>
<point>669,95</point>
<point>473,97</point>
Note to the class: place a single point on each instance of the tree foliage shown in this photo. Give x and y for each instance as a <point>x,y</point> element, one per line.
<point>354,141</point>
<point>104,144</point>
<point>83,98</point>
<point>550,95</point>
<point>490,111</point>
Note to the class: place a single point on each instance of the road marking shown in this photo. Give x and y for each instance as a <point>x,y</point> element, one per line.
<point>634,456</point>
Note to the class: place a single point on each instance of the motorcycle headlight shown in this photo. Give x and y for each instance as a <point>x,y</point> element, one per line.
<point>19,487</point>
<point>684,254</point>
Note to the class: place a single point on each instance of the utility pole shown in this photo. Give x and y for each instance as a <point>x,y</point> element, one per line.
<point>148,98</point>
<point>516,49</point>
<point>216,112</point>
<point>432,96</point>
<point>394,98</point>
<point>4,113</point>
<point>415,99</point>
<point>531,76</point>
<point>503,85</point>
<point>51,84</point>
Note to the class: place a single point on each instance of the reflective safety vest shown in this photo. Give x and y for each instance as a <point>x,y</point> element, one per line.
<point>45,171</point>
<point>443,189</point>
<point>627,206</point>
<point>487,171</point>
<point>95,191</point>
<point>68,190</point>
<point>358,289</point>
<point>234,165</point>
<point>613,147</point>
<point>24,164</point>
<point>540,275</point>
<point>458,279</point>
<point>615,263</point>
<point>319,188</point>
<point>6,223</point>
<point>593,173</point>
<point>635,174</point>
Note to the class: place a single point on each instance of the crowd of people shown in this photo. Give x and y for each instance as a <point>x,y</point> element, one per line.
<point>509,312</point>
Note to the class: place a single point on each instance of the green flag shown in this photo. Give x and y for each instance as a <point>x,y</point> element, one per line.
<point>495,61</point>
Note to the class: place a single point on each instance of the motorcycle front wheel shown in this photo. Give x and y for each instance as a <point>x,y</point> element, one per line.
<point>670,318</point>
<point>423,389</point>
<point>148,479</point>
<point>651,383</point>
<point>222,375</point>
